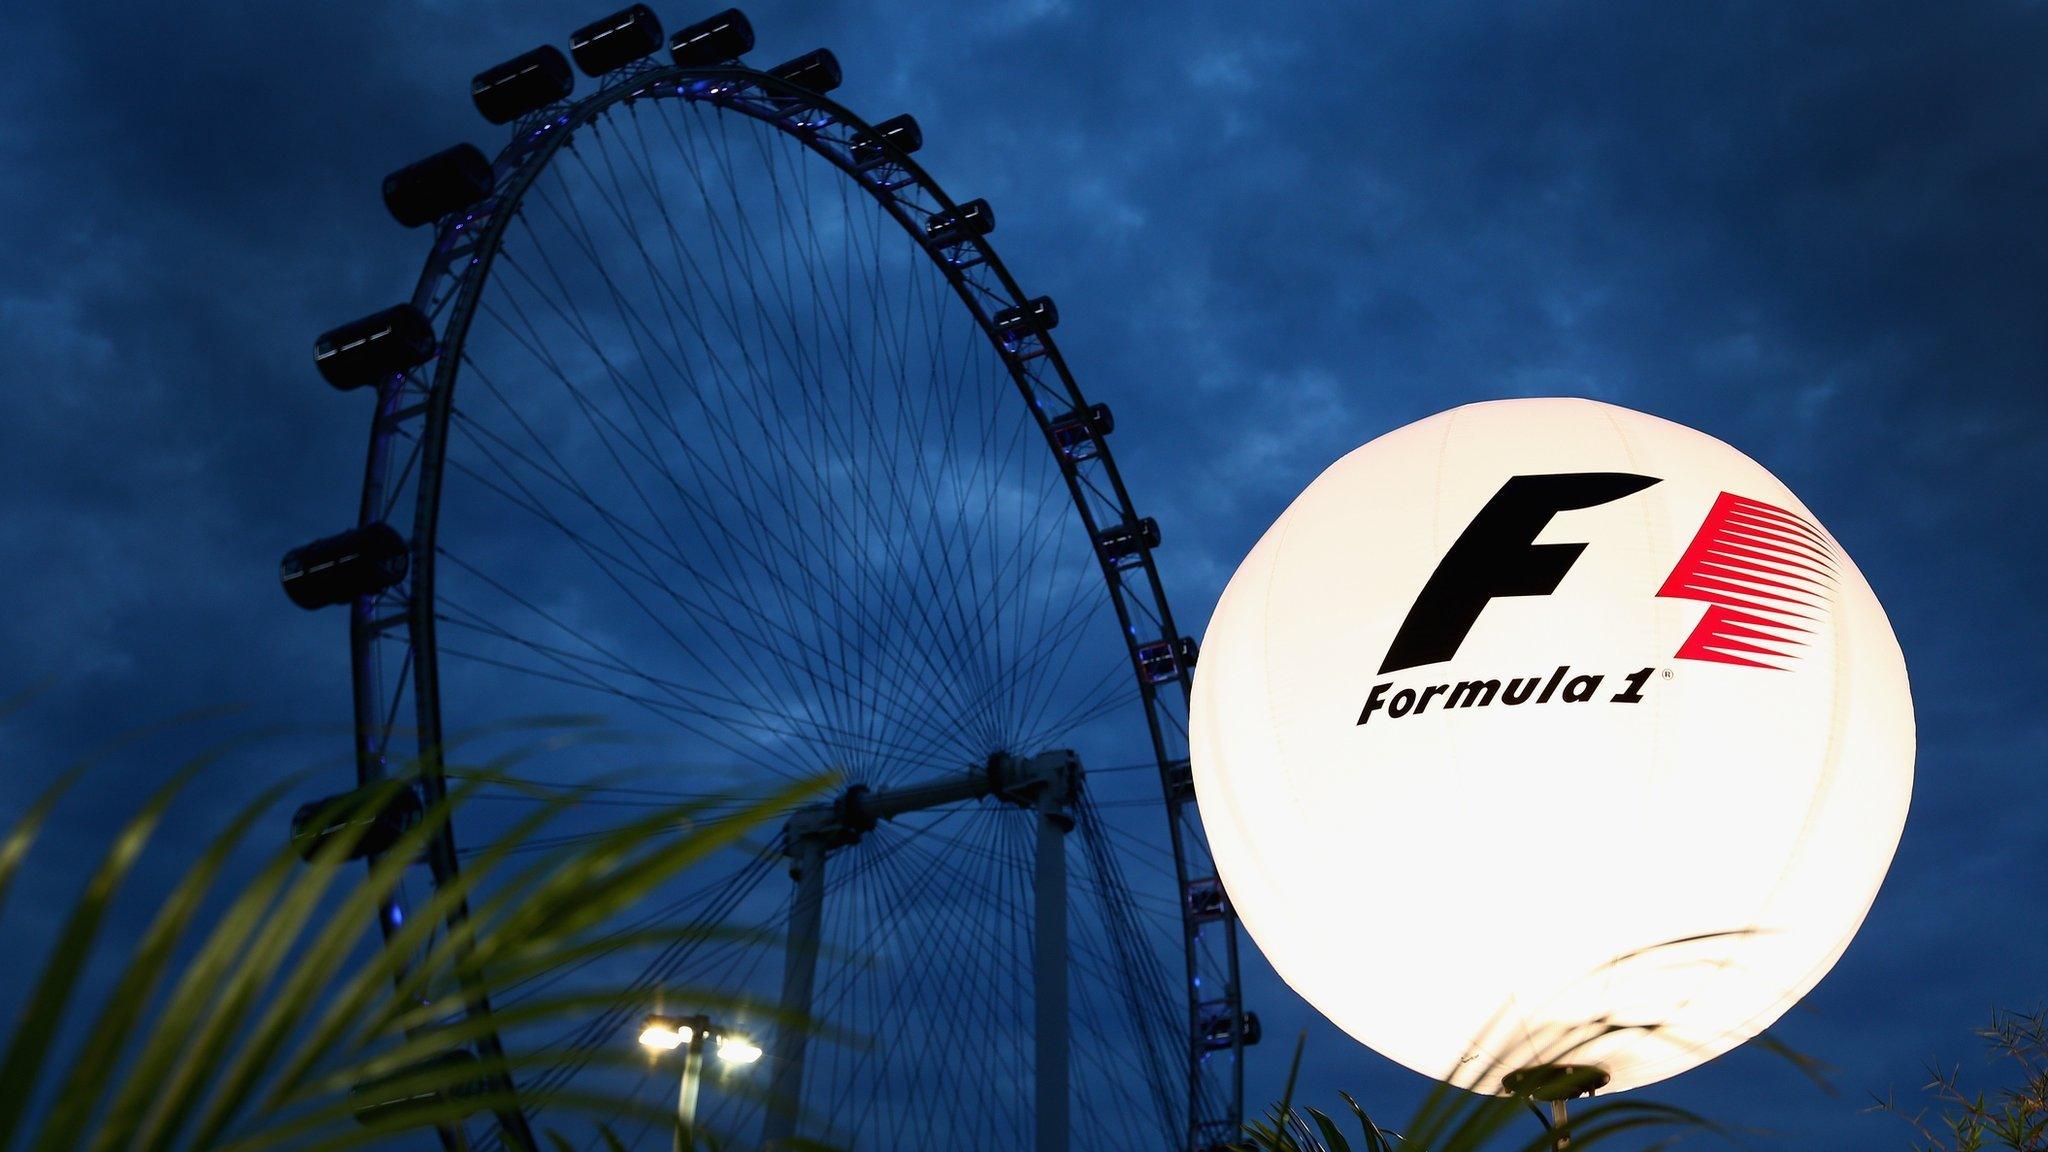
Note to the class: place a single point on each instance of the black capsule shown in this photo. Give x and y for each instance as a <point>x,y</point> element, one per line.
<point>337,569</point>
<point>448,181</point>
<point>617,40</point>
<point>429,1087</point>
<point>898,132</point>
<point>723,38</point>
<point>1221,1025</point>
<point>815,71</point>
<point>1078,434</point>
<point>523,84</point>
<point>376,815</point>
<point>1205,900</point>
<point>974,218</point>
<point>1039,314</point>
<point>374,348</point>
<point>1120,540</point>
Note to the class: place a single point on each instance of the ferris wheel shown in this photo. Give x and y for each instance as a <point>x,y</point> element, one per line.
<point>714,415</point>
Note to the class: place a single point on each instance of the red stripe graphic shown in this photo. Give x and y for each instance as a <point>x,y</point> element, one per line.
<point>1765,575</point>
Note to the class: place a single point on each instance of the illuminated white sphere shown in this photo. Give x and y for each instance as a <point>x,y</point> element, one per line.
<point>1473,884</point>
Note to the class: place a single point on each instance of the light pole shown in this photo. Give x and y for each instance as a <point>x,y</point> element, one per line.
<point>690,1033</point>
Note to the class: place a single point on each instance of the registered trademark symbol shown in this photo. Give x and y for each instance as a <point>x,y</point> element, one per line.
<point>1668,674</point>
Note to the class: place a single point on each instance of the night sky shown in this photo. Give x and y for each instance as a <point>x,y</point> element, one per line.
<point>1274,232</point>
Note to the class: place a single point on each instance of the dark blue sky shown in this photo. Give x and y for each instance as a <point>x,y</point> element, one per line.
<point>1814,231</point>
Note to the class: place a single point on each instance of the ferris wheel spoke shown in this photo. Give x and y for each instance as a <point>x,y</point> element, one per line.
<point>681,716</point>
<point>1147,983</point>
<point>864,384</point>
<point>397,696</point>
<point>610,562</point>
<point>818,687</point>
<point>572,669</point>
<point>928,1050</point>
<point>1034,650</point>
<point>959,635</point>
<point>654,455</point>
<point>1012,850</point>
<point>400,483</point>
<point>698,611</point>
<point>1100,953</point>
<point>677,711</point>
<point>879,869</point>
<point>999,939</point>
<point>681,695</point>
<point>1151,856</point>
<point>614,201</point>
<point>1111,692</point>
<point>1031,724</point>
<point>696,700</point>
<point>983,851</point>
<point>540,791</point>
<point>1032,595</point>
<point>592,551</point>
<point>900,887</point>
<point>945,547</point>
<point>924,646</point>
<point>993,695</point>
<point>996,597</point>
<point>829,435</point>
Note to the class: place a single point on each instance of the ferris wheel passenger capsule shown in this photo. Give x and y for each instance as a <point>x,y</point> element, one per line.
<point>375,348</point>
<point>448,181</point>
<point>525,83</point>
<point>974,218</point>
<point>1078,434</point>
<point>1127,539</point>
<point>1222,1025</point>
<point>898,132</point>
<point>617,40</point>
<point>1017,325</point>
<point>432,1086</point>
<point>338,569</point>
<point>813,71</point>
<point>720,40</point>
<point>375,816</point>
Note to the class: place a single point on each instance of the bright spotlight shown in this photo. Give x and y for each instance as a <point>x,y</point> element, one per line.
<point>664,1035</point>
<point>736,1050</point>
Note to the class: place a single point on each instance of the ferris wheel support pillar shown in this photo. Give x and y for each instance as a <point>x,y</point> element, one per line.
<point>1049,967</point>
<point>800,970</point>
<point>1048,784</point>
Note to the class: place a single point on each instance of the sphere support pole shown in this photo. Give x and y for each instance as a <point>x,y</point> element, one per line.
<point>1049,966</point>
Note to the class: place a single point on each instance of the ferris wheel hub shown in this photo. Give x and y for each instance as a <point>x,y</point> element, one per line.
<point>1047,781</point>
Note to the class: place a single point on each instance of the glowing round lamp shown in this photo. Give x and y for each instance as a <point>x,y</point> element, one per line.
<point>1547,742</point>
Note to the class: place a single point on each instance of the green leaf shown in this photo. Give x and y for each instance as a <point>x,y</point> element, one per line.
<point>28,1051</point>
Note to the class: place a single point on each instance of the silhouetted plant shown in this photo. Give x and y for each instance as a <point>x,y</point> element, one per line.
<point>244,1029</point>
<point>2013,1118</point>
<point>1453,1120</point>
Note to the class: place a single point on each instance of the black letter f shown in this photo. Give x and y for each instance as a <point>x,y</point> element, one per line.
<point>1496,556</point>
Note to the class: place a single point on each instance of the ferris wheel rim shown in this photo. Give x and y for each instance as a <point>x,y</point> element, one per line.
<point>449,293</point>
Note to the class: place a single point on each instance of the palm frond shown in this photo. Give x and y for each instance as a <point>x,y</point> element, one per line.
<point>246,1012</point>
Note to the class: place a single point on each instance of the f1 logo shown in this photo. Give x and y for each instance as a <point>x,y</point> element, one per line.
<point>1497,555</point>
